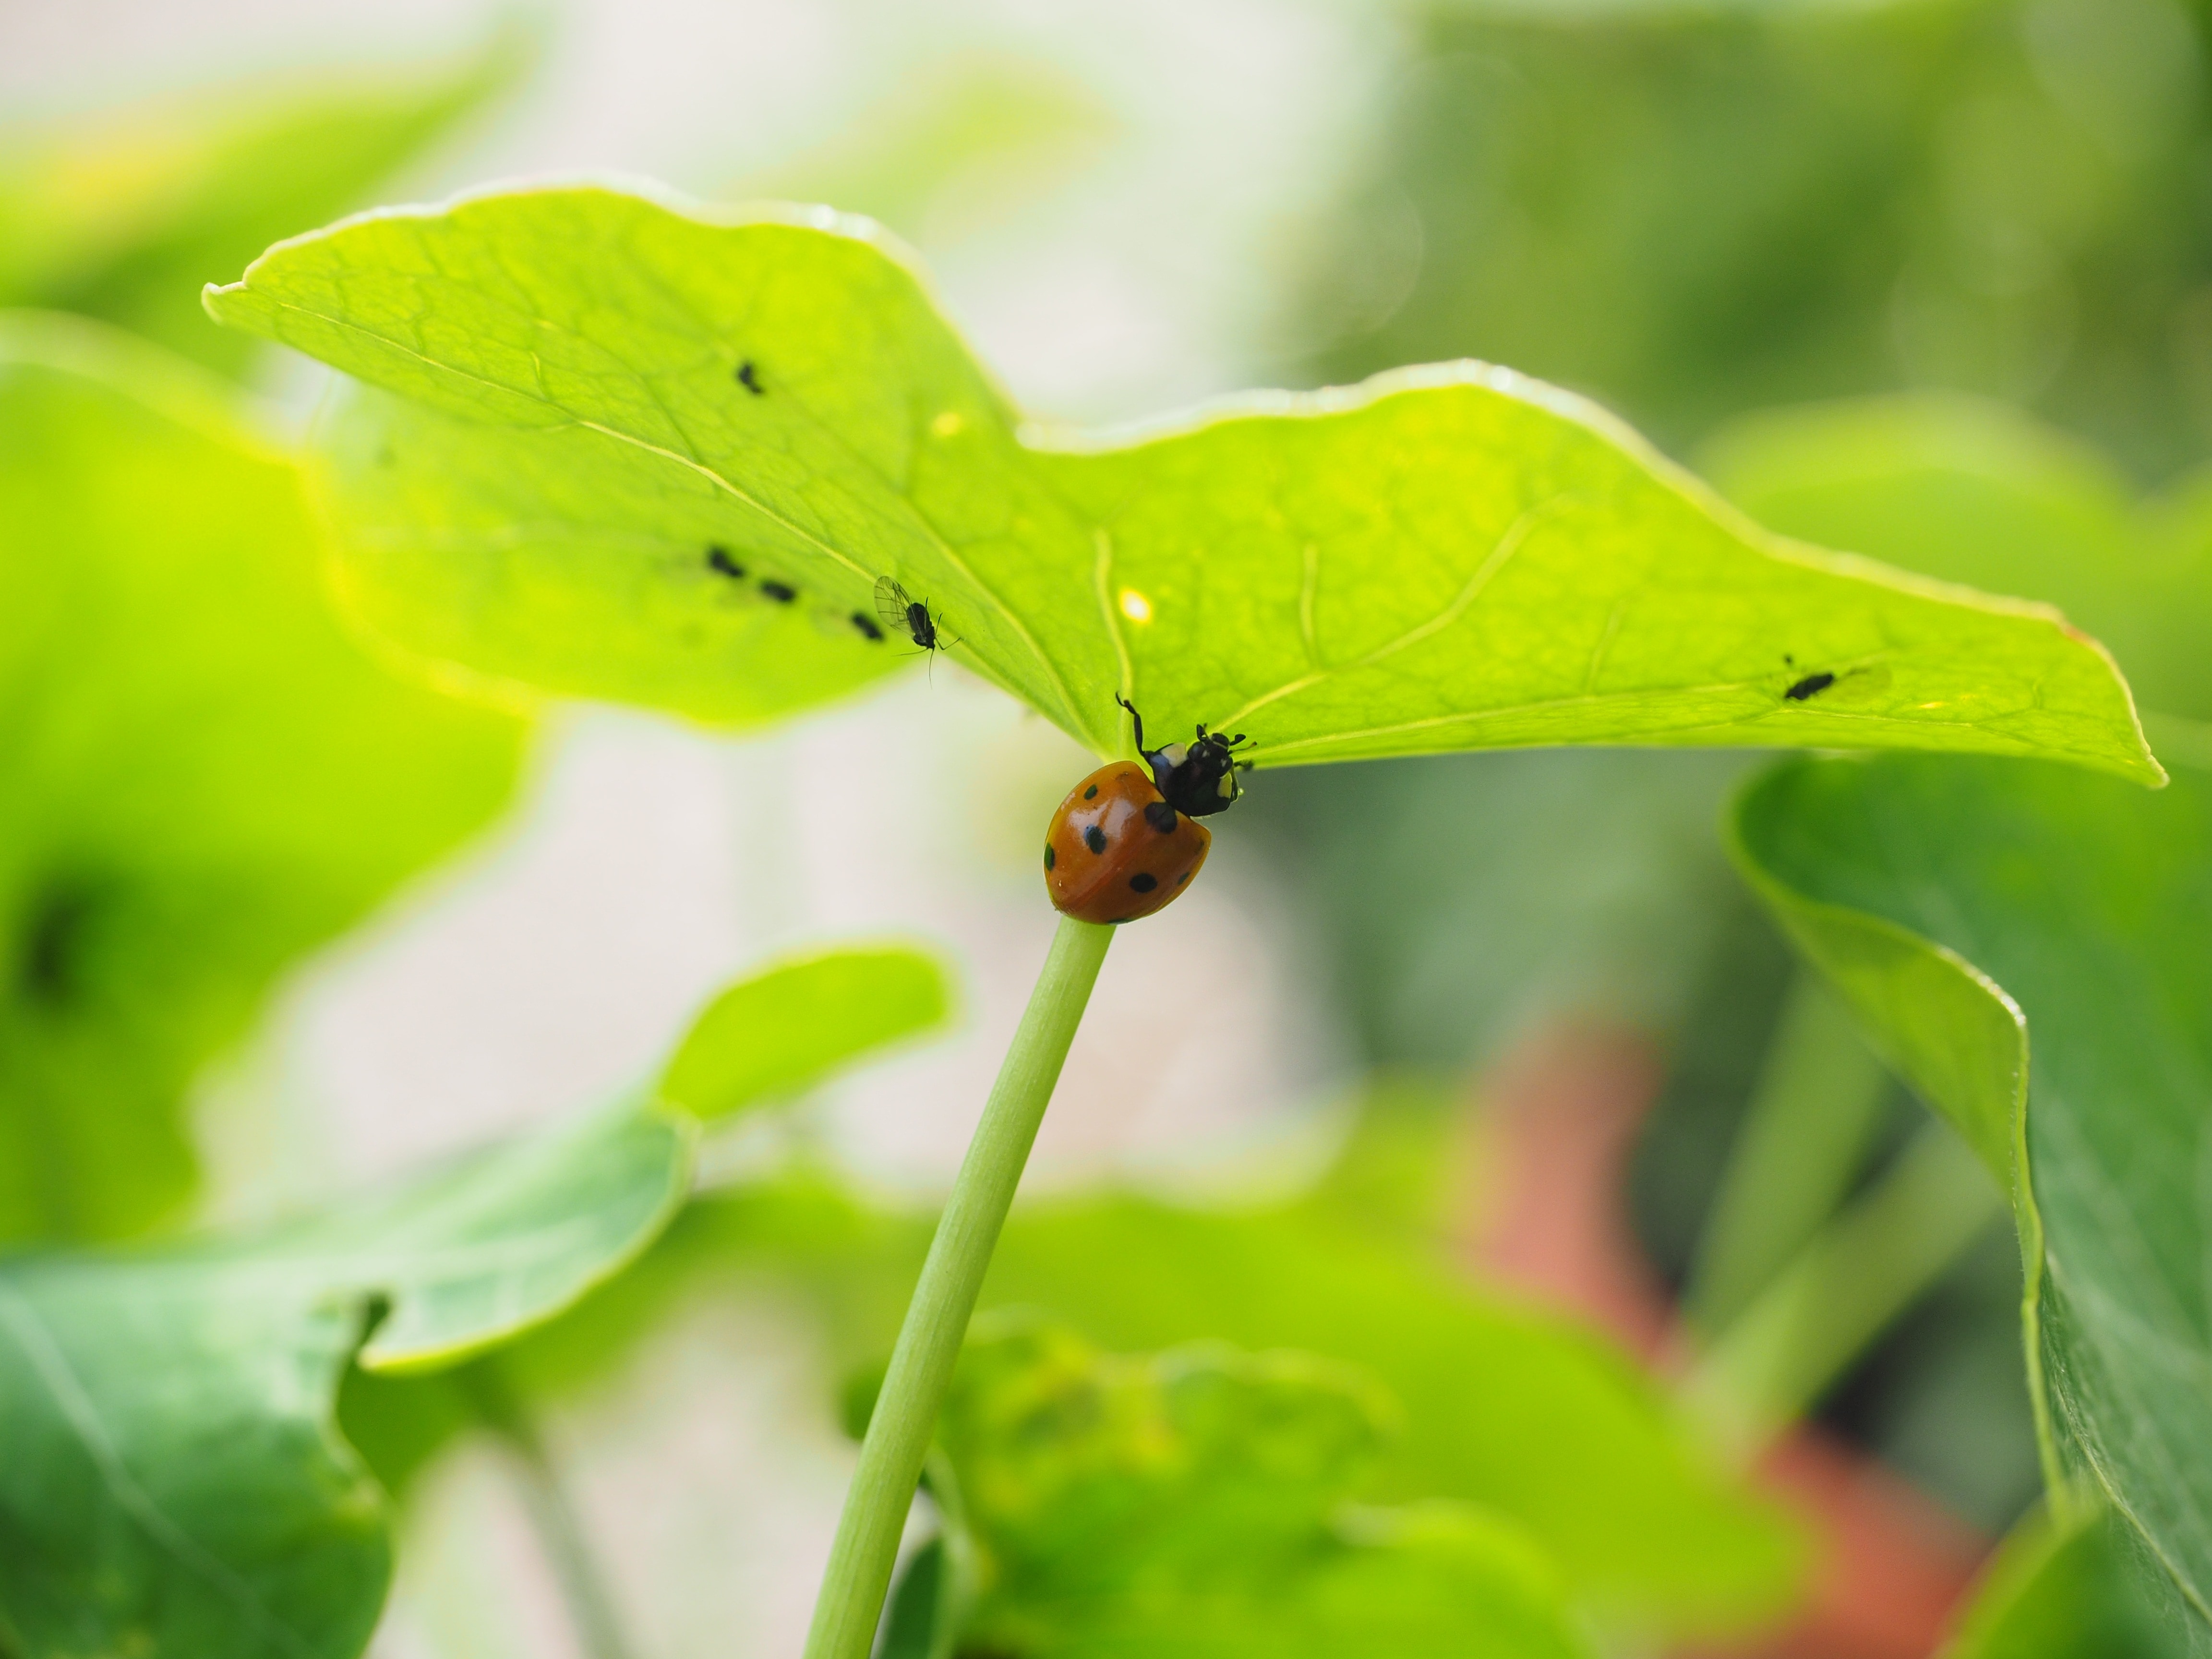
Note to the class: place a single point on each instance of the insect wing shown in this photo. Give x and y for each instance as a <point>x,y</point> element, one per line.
<point>891,603</point>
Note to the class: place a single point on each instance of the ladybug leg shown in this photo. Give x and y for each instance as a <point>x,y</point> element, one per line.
<point>1136,719</point>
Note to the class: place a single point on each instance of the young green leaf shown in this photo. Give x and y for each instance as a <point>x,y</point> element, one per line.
<point>173,1483</point>
<point>204,776</point>
<point>1982,915</point>
<point>123,216</point>
<point>1446,558</point>
<point>1194,1503</point>
<point>791,1024</point>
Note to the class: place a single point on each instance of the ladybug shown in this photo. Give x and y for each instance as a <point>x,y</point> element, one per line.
<point>1122,845</point>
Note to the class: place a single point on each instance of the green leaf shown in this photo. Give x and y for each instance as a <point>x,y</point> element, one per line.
<point>787,1027</point>
<point>1518,1412</point>
<point>2072,1589</point>
<point>1974,492</point>
<point>770,1034</point>
<point>205,776</point>
<point>1194,1503</point>
<point>1446,558</point>
<point>172,1482</point>
<point>175,1477</point>
<point>1979,914</point>
<point>123,215</point>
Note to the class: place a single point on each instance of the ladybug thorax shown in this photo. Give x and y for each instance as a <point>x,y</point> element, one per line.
<point>1196,778</point>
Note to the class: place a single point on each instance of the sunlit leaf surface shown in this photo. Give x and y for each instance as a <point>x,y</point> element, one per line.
<point>203,776</point>
<point>2030,947</point>
<point>608,406</point>
<point>1974,492</point>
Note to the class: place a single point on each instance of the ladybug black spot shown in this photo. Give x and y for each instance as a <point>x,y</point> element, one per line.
<point>1095,839</point>
<point>1161,817</point>
<point>868,629</point>
<point>1811,686</point>
<point>719,562</point>
<point>1091,793</point>
<point>749,380</point>
<point>1143,882</point>
<point>781,593</point>
<point>1183,878</point>
<point>1050,858</point>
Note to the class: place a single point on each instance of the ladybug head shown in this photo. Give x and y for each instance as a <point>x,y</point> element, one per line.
<point>1197,778</point>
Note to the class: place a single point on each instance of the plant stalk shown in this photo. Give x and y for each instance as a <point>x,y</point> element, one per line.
<point>1813,1112</point>
<point>875,1505</point>
<point>560,1532</point>
<point>1843,1290</point>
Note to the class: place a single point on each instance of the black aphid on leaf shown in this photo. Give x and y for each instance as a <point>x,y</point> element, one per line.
<point>749,380</point>
<point>1811,686</point>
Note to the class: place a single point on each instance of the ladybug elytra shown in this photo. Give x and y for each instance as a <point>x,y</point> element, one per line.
<point>1126,841</point>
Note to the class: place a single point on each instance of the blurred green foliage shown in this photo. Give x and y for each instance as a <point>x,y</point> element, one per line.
<point>1195,1502</point>
<point>205,775</point>
<point>1690,211</point>
<point>2078,1589</point>
<point>1516,1412</point>
<point>124,216</point>
<point>174,1484</point>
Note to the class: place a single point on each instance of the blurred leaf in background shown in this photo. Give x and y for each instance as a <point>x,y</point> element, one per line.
<point>124,214</point>
<point>957,149</point>
<point>2028,947</point>
<point>1691,211</point>
<point>1464,897</point>
<point>1195,1502</point>
<point>205,776</point>
<point>2077,1589</point>
<point>174,1484</point>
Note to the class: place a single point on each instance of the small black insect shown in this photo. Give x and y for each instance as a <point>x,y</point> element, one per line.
<point>1811,686</point>
<point>749,380</point>
<point>868,629</point>
<point>1198,778</point>
<point>781,593</point>
<point>905,614</point>
<point>718,560</point>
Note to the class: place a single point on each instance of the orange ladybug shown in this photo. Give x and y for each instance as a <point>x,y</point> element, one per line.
<point>1125,840</point>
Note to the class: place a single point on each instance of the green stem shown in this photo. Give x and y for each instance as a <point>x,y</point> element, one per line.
<point>560,1532</point>
<point>1863,1269</point>
<point>875,1505</point>
<point>1817,1103</point>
